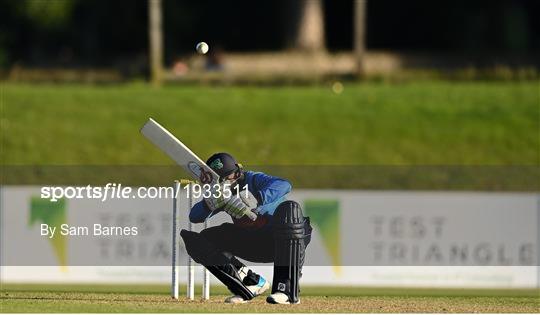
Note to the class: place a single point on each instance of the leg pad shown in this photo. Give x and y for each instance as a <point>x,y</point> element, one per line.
<point>289,239</point>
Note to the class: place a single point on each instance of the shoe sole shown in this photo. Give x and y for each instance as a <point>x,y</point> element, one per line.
<point>241,302</point>
<point>272,301</point>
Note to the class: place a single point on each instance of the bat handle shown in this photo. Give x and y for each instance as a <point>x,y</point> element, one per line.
<point>251,215</point>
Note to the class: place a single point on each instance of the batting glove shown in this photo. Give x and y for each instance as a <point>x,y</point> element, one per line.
<point>214,203</point>
<point>248,198</point>
<point>236,207</point>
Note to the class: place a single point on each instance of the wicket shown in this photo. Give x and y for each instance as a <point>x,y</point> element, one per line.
<point>175,246</point>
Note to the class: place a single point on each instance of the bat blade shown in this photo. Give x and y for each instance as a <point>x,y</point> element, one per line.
<point>178,152</point>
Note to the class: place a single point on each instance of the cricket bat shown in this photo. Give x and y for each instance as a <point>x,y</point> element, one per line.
<point>182,155</point>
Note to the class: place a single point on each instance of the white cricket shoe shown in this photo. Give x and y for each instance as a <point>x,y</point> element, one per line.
<point>235,299</point>
<point>279,298</point>
<point>257,289</point>
<point>260,287</point>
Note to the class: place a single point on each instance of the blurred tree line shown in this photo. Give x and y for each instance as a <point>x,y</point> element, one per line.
<point>80,33</point>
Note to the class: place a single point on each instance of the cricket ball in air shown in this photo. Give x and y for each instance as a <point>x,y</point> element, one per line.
<point>202,48</point>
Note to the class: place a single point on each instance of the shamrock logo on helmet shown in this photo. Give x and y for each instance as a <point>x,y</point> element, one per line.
<point>216,164</point>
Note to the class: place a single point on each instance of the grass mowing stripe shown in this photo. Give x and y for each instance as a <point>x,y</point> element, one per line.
<point>306,290</point>
<point>415,123</point>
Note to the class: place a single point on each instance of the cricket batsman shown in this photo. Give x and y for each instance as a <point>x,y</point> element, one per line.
<point>279,234</point>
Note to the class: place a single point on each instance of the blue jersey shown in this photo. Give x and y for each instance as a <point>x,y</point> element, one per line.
<point>269,191</point>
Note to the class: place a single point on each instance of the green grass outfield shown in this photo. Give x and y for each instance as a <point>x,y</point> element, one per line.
<point>145,298</point>
<point>417,123</point>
